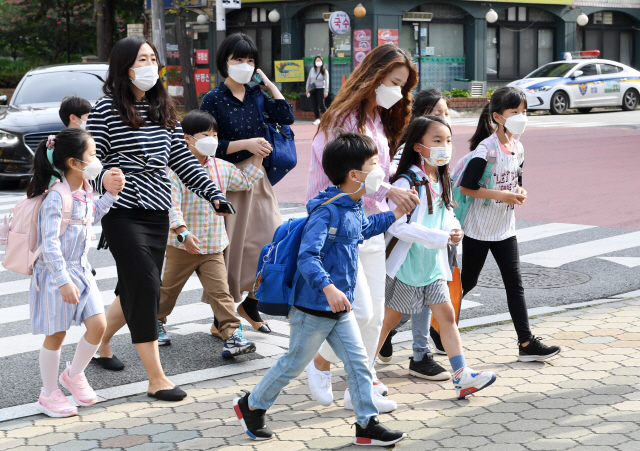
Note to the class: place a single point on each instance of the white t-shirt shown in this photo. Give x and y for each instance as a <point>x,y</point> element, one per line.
<point>496,221</point>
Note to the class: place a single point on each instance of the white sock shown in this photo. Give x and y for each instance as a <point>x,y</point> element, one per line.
<point>49,366</point>
<point>84,352</point>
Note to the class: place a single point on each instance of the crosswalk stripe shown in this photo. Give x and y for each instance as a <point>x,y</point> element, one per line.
<point>557,257</point>
<point>18,344</point>
<point>544,231</point>
<point>22,285</point>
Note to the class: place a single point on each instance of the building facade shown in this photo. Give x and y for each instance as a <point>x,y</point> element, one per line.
<point>447,39</point>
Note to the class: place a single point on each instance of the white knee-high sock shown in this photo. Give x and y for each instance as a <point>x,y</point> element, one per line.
<point>49,365</point>
<point>84,352</point>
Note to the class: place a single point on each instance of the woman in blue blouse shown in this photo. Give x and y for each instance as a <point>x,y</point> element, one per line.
<point>136,130</point>
<point>241,136</point>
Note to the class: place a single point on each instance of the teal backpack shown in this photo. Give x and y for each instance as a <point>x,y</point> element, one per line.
<point>464,202</point>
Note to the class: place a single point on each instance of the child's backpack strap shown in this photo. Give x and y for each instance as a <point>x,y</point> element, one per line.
<point>413,181</point>
<point>67,204</point>
<point>488,171</point>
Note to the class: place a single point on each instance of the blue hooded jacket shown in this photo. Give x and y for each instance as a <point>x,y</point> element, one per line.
<point>340,264</point>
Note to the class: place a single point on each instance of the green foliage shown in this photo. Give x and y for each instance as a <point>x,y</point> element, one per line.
<point>455,92</point>
<point>11,72</point>
<point>291,95</point>
<point>490,91</point>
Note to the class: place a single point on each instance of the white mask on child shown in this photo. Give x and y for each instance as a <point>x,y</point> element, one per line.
<point>515,124</point>
<point>206,146</point>
<point>374,180</point>
<point>438,156</point>
<point>92,170</point>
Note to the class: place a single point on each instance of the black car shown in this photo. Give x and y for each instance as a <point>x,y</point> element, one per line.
<point>32,114</point>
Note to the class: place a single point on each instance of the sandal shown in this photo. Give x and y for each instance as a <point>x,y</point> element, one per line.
<point>259,326</point>
<point>109,363</point>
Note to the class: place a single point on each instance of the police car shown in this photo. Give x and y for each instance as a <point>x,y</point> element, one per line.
<point>581,81</point>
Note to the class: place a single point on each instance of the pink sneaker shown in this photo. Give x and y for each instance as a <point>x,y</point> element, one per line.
<point>56,405</point>
<point>79,388</point>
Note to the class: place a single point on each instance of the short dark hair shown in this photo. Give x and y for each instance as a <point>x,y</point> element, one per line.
<point>425,101</point>
<point>345,152</point>
<point>238,45</point>
<point>73,105</point>
<point>198,121</point>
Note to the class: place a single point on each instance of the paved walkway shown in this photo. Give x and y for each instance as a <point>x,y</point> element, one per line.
<point>586,399</point>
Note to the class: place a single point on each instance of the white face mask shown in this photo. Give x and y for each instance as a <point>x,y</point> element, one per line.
<point>92,170</point>
<point>516,124</point>
<point>206,146</point>
<point>146,77</point>
<point>318,64</point>
<point>373,181</point>
<point>387,96</point>
<point>82,124</point>
<point>438,156</point>
<point>241,73</point>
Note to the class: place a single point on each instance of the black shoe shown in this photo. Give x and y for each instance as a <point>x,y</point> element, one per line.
<point>174,394</point>
<point>376,434</point>
<point>252,421</point>
<point>428,369</point>
<point>386,351</point>
<point>535,351</point>
<point>109,363</point>
<point>436,342</point>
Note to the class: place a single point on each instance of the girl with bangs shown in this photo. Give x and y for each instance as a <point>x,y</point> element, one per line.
<point>376,101</point>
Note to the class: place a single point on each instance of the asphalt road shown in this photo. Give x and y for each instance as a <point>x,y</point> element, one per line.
<point>577,233</point>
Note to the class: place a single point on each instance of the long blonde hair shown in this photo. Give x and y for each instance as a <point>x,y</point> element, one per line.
<point>361,86</point>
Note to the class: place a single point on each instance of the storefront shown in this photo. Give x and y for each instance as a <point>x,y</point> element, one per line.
<point>447,39</point>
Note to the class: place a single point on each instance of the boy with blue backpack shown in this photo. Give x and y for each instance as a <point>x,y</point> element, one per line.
<point>322,293</point>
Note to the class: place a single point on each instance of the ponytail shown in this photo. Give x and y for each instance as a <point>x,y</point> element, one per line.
<point>485,128</point>
<point>503,99</point>
<point>69,143</point>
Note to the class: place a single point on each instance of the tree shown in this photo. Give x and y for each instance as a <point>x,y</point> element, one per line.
<point>110,18</point>
<point>184,49</point>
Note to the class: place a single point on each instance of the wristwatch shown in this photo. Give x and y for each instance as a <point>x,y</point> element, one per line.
<point>183,236</point>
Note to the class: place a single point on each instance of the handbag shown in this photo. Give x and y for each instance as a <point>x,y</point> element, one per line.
<point>283,157</point>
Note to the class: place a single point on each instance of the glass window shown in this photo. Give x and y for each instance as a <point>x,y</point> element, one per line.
<point>511,14</point>
<point>592,40</point>
<point>53,87</point>
<point>447,39</point>
<point>611,46</point>
<point>553,70</point>
<point>492,53</point>
<point>507,63</point>
<point>588,70</point>
<point>522,13</point>
<point>528,45</point>
<point>316,39</point>
<point>407,39</point>
<point>626,47</point>
<point>609,69</point>
<point>545,47</point>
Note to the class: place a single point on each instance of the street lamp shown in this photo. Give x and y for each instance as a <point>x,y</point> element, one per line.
<point>582,19</point>
<point>274,16</point>
<point>202,19</point>
<point>359,11</point>
<point>491,16</point>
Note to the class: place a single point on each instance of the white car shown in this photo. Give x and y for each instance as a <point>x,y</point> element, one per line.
<point>581,83</point>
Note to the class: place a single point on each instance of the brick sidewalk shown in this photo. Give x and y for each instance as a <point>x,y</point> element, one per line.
<point>588,398</point>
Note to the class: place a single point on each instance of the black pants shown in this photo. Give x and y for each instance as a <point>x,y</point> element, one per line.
<point>317,97</point>
<point>474,254</point>
<point>137,239</point>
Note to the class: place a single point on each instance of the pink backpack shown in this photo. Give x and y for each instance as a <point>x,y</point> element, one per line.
<point>20,229</point>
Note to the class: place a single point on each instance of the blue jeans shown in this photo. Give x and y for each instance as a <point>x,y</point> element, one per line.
<point>420,323</point>
<point>307,333</point>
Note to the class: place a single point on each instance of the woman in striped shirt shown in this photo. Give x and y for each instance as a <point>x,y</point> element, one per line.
<point>136,130</point>
<point>376,101</point>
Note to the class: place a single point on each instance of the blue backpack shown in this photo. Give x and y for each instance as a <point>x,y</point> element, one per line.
<point>278,265</point>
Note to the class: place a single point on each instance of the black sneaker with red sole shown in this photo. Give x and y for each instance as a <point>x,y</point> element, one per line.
<point>376,434</point>
<point>252,421</point>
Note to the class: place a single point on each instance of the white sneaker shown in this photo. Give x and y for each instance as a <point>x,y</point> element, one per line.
<point>467,381</point>
<point>384,405</point>
<point>316,122</point>
<point>319,385</point>
<point>377,385</point>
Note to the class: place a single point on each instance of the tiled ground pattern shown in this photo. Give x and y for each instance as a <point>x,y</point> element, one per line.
<point>586,399</point>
